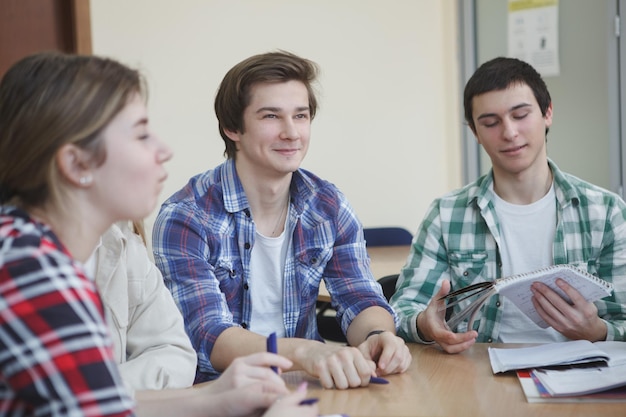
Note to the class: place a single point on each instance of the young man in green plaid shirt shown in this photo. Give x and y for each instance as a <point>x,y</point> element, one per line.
<point>525,214</point>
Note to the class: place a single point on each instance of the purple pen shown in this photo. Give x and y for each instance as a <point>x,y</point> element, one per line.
<point>309,401</point>
<point>378,380</point>
<point>272,347</point>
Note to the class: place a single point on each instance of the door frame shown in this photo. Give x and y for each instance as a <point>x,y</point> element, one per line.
<point>81,17</point>
<point>620,108</point>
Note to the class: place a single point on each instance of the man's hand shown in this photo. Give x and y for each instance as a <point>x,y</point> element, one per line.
<point>388,351</point>
<point>336,366</point>
<point>578,320</point>
<point>431,324</point>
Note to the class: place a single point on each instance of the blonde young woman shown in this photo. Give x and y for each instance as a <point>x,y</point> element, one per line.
<point>76,156</point>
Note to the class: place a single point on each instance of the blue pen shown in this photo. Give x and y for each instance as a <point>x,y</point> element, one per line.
<point>378,380</point>
<point>309,401</point>
<point>272,348</point>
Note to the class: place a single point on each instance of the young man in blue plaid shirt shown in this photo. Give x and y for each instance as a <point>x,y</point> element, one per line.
<point>524,215</point>
<point>243,247</point>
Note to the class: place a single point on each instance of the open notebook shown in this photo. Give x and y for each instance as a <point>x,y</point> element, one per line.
<point>517,289</point>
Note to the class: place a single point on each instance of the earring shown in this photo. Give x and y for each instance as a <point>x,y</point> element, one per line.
<point>85,180</point>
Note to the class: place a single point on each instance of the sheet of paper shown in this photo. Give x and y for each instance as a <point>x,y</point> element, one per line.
<point>518,290</point>
<point>533,34</point>
<point>582,381</point>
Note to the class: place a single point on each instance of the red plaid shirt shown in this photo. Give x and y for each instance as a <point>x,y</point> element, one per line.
<point>55,351</point>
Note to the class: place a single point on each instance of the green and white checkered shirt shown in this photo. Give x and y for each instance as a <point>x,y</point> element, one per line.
<point>459,239</point>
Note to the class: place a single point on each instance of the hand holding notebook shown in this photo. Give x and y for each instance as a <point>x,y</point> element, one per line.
<point>517,289</point>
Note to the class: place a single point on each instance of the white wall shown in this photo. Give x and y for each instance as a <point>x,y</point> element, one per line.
<point>388,128</point>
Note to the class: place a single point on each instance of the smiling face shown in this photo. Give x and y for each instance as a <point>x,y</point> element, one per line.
<point>128,183</point>
<point>511,129</point>
<point>277,125</point>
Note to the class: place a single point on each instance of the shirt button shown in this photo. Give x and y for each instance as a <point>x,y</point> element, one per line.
<point>244,325</point>
<point>313,261</point>
<point>498,304</point>
<point>232,273</point>
<point>245,286</point>
<point>490,340</point>
<point>247,212</point>
<point>465,273</point>
<point>247,245</point>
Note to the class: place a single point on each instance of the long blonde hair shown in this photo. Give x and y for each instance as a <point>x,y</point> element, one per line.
<point>139,229</point>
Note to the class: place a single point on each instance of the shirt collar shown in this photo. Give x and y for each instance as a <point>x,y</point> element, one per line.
<point>482,192</point>
<point>235,200</point>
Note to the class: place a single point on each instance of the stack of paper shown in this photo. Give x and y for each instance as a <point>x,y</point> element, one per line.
<point>561,372</point>
<point>571,382</point>
<point>536,393</point>
<point>551,354</point>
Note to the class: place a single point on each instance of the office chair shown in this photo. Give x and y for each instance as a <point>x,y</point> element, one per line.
<point>329,327</point>
<point>388,282</point>
<point>387,236</point>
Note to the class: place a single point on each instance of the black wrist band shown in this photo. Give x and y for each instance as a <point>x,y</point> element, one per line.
<point>373,332</point>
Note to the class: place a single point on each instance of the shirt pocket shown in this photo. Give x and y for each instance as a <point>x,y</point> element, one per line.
<point>590,266</point>
<point>311,263</point>
<point>467,267</point>
<point>229,275</point>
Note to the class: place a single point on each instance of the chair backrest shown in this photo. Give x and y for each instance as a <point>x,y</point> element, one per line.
<point>388,283</point>
<point>387,236</point>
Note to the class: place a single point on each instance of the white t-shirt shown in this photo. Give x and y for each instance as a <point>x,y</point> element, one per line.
<point>267,265</point>
<point>527,233</point>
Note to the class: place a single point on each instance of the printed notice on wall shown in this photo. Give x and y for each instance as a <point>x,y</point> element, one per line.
<point>534,34</point>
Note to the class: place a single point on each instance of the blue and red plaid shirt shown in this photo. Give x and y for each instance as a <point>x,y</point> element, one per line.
<point>55,352</point>
<point>202,239</point>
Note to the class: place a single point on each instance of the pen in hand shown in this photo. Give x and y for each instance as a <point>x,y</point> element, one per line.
<point>272,347</point>
<point>378,380</point>
<point>309,401</point>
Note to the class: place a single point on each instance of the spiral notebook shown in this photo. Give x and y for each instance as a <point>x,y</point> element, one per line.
<point>517,289</point>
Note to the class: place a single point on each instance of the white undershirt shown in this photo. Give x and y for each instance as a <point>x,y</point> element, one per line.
<point>527,233</point>
<point>267,265</point>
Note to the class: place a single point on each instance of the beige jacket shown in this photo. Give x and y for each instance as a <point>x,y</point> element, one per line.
<point>147,328</point>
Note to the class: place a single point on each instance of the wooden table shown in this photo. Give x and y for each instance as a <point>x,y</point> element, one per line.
<point>440,384</point>
<point>385,260</point>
